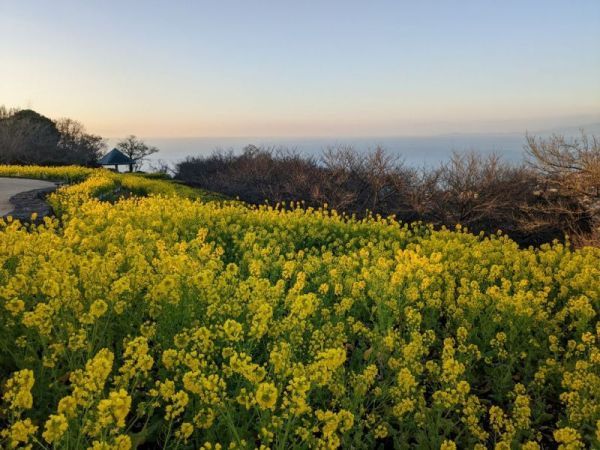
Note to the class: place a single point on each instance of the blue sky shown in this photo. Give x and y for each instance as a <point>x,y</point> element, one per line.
<point>303,68</point>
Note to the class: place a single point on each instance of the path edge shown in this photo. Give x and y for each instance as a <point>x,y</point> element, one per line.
<point>31,202</point>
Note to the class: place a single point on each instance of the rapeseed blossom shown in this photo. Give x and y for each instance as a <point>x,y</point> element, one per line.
<point>144,316</point>
<point>17,390</point>
<point>56,425</point>
<point>266,395</point>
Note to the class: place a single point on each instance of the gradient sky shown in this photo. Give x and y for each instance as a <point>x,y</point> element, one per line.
<point>303,68</point>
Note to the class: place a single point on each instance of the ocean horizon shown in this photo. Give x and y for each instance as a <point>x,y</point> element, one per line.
<point>425,151</point>
<point>415,151</point>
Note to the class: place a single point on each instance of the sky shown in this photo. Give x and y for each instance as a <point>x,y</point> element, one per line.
<point>303,68</point>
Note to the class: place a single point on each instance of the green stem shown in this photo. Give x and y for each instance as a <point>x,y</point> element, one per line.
<point>168,434</point>
<point>231,425</point>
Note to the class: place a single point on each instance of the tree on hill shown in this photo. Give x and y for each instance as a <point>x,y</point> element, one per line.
<point>27,137</point>
<point>5,112</point>
<point>77,146</point>
<point>136,149</point>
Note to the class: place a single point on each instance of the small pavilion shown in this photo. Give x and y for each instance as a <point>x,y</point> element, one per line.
<point>117,158</point>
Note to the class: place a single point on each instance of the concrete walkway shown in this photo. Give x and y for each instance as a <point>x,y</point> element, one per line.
<point>12,186</point>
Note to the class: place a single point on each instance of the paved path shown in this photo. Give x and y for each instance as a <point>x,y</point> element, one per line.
<point>12,186</point>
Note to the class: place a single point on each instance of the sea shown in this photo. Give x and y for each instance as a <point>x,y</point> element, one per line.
<point>414,151</point>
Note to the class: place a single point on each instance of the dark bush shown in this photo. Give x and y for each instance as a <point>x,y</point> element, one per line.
<point>254,176</point>
<point>484,194</point>
<point>568,187</point>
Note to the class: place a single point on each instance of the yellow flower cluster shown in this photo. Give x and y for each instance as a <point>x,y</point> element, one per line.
<point>17,390</point>
<point>143,316</point>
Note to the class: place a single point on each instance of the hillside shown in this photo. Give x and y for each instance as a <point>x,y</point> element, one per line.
<point>145,316</point>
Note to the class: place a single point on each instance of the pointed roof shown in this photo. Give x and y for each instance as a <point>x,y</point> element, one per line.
<point>116,157</point>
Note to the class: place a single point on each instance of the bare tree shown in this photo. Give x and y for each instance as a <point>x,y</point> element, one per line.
<point>383,173</point>
<point>419,190</point>
<point>480,192</point>
<point>79,147</point>
<point>568,188</point>
<point>163,168</point>
<point>136,149</point>
<point>5,112</point>
<point>339,187</point>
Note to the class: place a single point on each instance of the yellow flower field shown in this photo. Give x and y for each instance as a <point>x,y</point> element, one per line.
<point>159,320</point>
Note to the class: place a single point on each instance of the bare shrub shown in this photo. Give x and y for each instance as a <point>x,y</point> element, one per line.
<point>568,186</point>
<point>258,174</point>
<point>482,193</point>
<point>359,182</point>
